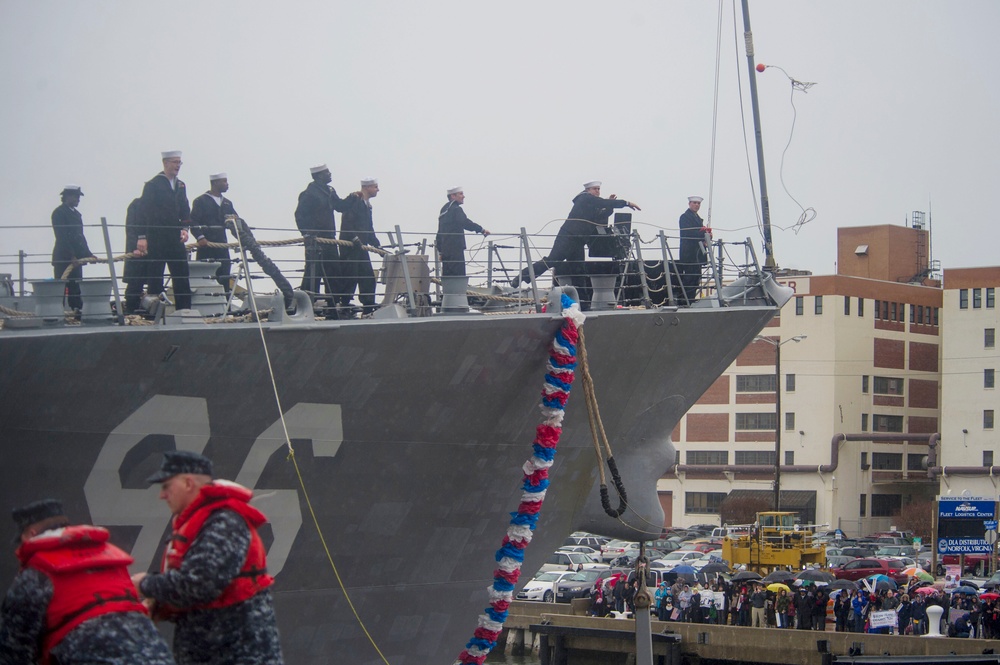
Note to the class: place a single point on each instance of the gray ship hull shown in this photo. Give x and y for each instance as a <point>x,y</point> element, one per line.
<point>409,437</point>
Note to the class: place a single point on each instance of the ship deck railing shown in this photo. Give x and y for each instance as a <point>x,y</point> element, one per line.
<point>644,266</point>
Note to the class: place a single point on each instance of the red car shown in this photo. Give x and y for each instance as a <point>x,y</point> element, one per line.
<point>858,569</point>
<point>975,564</point>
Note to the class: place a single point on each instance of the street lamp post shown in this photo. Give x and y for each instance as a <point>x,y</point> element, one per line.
<point>777,410</point>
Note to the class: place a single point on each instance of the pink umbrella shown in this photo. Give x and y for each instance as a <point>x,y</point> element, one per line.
<point>925,590</point>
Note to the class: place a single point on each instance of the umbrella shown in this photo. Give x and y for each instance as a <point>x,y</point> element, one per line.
<point>989,596</point>
<point>745,575</point>
<point>925,590</point>
<point>777,586</point>
<point>919,573</point>
<point>780,576</point>
<point>843,584</point>
<point>966,590</point>
<point>881,582</point>
<point>816,575</point>
<point>715,567</point>
<point>685,570</point>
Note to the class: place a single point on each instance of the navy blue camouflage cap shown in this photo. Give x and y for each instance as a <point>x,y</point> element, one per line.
<point>34,513</point>
<point>181,461</point>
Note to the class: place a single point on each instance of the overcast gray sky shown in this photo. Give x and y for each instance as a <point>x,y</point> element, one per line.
<point>519,102</point>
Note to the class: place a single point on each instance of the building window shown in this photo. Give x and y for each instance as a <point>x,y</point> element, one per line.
<point>887,385</point>
<point>789,383</point>
<point>757,457</point>
<point>861,306</point>
<point>677,457</point>
<point>878,311</point>
<point>963,298</point>
<point>913,319</point>
<point>989,378</point>
<point>987,458</point>
<point>991,298</point>
<point>818,305</point>
<point>902,312</point>
<point>789,457</point>
<point>790,420</point>
<point>798,305</point>
<point>720,457</point>
<point>990,338</point>
<point>892,312</point>
<point>987,418</point>
<point>914,462</point>
<point>884,423</point>
<point>887,461</point>
<point>755,383</point>
<point>977,298</point>
<point>864,462</point>
<point>936,316</point>
<point>885,309</point>
<point>886,505</point>
<point>847,305</point>
<point>864,422</point>
<point>864,505</point>
<point>920,314</point>
<point>756,421</point>
<point>864,384</point>
<point>705,503</point>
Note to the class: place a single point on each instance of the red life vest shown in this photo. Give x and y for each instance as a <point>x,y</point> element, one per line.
<point>89,577</point>
<point>222,495</point>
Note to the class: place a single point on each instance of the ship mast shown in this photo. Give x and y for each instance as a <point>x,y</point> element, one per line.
<point>765,209</point>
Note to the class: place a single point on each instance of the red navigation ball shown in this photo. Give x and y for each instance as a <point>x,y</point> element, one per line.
<point>761,67</point>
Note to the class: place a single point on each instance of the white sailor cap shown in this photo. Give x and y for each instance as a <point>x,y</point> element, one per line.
<point>369,181</point>
<point>456,190</point>
<point>72,189</point>
<point>592,183</point>
<point>218,176</point>
<point>170,154</point>
<point>695,199</point>
<point>318,169</point>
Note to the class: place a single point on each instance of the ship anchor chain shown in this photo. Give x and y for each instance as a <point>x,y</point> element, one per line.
<point>600,439</point>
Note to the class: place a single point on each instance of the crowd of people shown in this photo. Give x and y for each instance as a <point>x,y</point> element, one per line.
<point>160,221</point>
<point>808,607</point>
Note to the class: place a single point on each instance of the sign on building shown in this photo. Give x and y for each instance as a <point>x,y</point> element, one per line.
<point>961,528</point>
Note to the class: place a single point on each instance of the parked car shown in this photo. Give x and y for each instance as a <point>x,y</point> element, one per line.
<point>676,558</point>
<point>976,565</point>
<point>582,549</point>
<point>543,586</point>
<point>614,549</point>
<point>588,539</point>
<point>857,551</point>
<point>576,585</point>
<point>664,545</point>
<point>707,558</point>
<point>703,545</point>
<point>564,560</point>
<point>863,567</point>
<point>895,551</point>
<point>837,560</point>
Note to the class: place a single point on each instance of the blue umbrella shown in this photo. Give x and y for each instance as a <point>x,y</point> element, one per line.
<point>967,590</point>
<point>685,570</point>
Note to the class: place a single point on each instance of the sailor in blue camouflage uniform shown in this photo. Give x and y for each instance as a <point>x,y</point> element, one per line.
<point>214,582</point>
<point>49,615</point>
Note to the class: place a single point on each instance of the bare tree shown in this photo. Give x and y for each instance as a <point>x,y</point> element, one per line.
<point>917,516</point>
<point>743,511</point>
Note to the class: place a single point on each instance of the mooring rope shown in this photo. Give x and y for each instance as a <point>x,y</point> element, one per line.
<point>298,473</point>
<point>555,393</point>
<point>600,439</point>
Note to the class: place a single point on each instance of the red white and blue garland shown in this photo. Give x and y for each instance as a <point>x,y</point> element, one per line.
<point>555,393</point>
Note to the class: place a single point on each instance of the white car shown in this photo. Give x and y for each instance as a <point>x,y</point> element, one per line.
<point>581,549</point>
<point>614,549</point>
<point>676,558</point>
<point>707,558</point>
<point>543,586</point>
<point>560,561</point>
